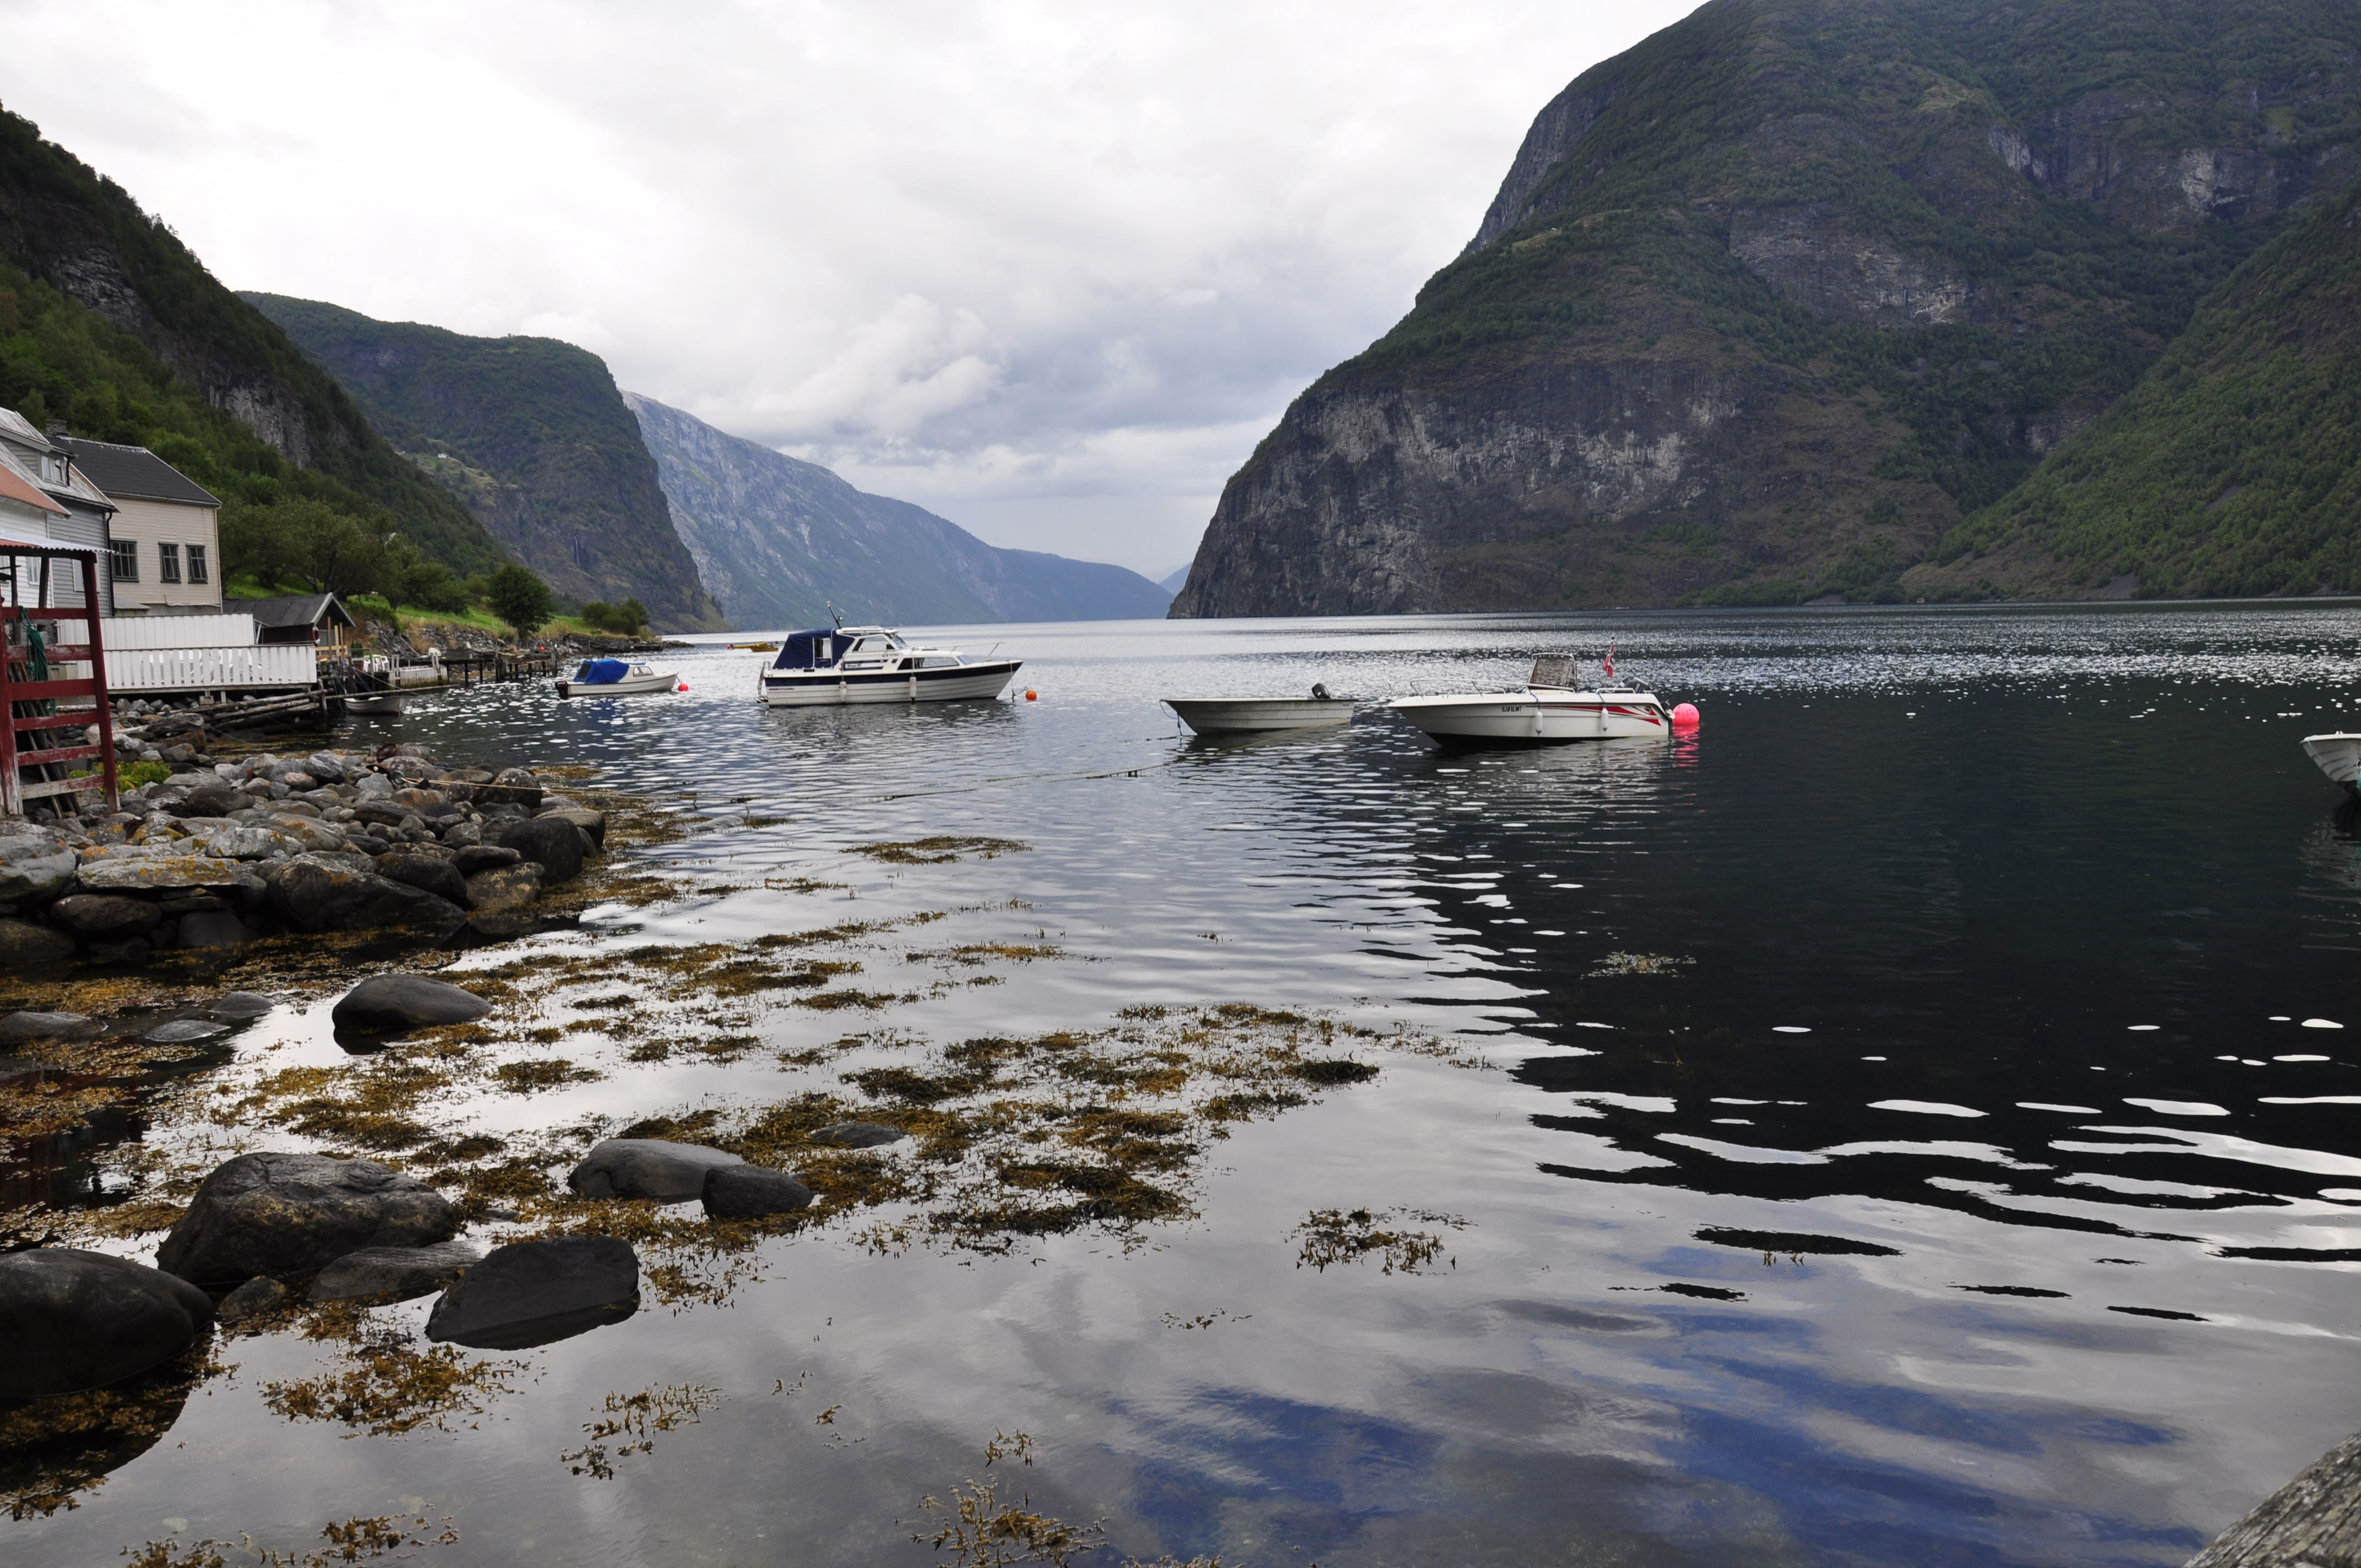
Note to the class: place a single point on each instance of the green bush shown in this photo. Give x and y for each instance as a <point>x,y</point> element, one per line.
<point>519,597</point>
<point>140,775</point>
<point>622,619</point>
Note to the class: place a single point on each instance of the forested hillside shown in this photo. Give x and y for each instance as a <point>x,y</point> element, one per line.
<point>1771,304</point>
<point>531,436</point>
<point>109,324</point>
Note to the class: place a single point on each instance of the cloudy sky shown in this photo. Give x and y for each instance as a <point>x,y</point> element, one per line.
<point>1048,267</point>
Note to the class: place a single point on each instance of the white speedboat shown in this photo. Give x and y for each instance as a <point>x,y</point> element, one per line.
<point>2338,756</point>
<point>873,663</point>
<point>612,677</point>
<point>1549,710</point>
<point>1246,715</point>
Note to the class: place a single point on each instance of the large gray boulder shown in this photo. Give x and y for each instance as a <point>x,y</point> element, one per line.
<point>436,875</point>
<point>26,949</point>
<point>129,868</point>
<point>291,1214</point>
<point>393,1273</point>
<point>500,900</point>
<point>550,841</point>
<point>593,824</point>
<point>530,1293</point>
<point>311,894</point>
<point>35,864</point>
<point>474,858</point>
<point>751,1193</point>
<point>26,1028</point>
<point>389,1003</point>
<point>647,1168</point>
<point>106,916</point>
<point>72,1320</point>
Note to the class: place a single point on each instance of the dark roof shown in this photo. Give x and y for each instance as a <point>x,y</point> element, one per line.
<point>294,609</point>
<point>136,472</point>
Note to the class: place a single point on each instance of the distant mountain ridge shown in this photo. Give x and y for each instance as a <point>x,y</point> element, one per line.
<point>532,434</point>
<point>777,539</point>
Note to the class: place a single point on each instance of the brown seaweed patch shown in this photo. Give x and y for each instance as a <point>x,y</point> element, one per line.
<point>981,1530</point>
<point>631,1423</point>
<point>976,953</point>
<point>349,1540</point>
<point>1335,1237</point>
<point>385,1387</point>
<point>937,850</point>
<point>533,1077</point>
<point>1615,964</point>
<point>833,1001</point>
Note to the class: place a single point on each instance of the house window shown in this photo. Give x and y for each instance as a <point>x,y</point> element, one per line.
<point>197,564</point>
<point>126,565</point>
<point>168,562</point>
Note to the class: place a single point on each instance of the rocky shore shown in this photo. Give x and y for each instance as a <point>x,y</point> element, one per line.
<point>330,841</point>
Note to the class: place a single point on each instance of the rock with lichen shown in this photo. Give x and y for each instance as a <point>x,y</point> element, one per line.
<point>282,1214</point>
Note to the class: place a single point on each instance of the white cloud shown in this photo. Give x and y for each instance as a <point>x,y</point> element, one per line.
<point>1048,266</point>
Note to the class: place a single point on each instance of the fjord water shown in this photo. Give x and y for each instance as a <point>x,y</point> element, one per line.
<point>1893,1124</point>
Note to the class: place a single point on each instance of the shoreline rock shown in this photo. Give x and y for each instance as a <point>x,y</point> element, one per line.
<point>534,1292</point>
<point>647,1168</point>
<point>72,1320</point>
<point>284,1213</point>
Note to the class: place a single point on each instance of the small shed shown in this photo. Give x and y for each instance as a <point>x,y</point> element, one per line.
<point>320,620</point>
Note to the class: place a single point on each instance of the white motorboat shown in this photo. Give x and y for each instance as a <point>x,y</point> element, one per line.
<point>873,663</point>
<point>375,703</point>
<point>612,677</point>
<point>2338,756</point>
<point>1246,715</point>
<point>1550,710</point>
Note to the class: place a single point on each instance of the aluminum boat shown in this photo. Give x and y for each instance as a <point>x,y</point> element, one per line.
<point>873,663</point>
<point>612,677</point>
<point>2338,756</point>
<point>1246,715</point>
<point>1551,709</point>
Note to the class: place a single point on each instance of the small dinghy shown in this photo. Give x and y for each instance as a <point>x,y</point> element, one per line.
<point>1246,715</point>
<point>612,677</point>
<point>1551,710</point>
<point>2338,756</point>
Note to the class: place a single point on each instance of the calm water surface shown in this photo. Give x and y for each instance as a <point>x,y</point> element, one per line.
<point>1978,1181</point>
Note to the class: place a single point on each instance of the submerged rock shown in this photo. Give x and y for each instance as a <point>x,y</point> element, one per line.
<point>647,1168</point>
<point>393,1273</point>
<point>239,1007</point>
<point>290,1214</point>
<point>859,1134</point>
<point>24,1028</point>
<point>258,1295</point>
<point>752,1192</point>
<point>183,1032</point>
<point>387,1004</point>
<point>530,1293</point>
<point>72,1320</point>
<point>553,841</point>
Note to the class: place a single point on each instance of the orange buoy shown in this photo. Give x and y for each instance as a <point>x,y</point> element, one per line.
<point>1032,696</point>
<point>1685,717</point>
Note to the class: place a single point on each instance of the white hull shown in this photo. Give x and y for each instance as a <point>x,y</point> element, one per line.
<point>381,705</point>
<point>833,688</point>
<point>1231,716</point>
<point>1536,716</point>
<point>2338,756</point>
<point>629,685</point>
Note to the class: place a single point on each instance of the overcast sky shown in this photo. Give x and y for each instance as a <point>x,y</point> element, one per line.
<point>1050,269</point>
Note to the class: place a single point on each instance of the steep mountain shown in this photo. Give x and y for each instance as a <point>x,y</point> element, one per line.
<point>2234,467</point>
<point>532,434</point>
<point>779,539</point>
<point>111,325</point>
<point>1772,302</point>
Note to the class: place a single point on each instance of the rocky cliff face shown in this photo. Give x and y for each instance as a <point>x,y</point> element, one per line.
<point>1770,304</point>
<point>779,540</point>
<point>69,227</point>
<point>532,436</point>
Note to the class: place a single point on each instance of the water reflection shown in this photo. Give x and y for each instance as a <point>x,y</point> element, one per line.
<point>1904,1139</point>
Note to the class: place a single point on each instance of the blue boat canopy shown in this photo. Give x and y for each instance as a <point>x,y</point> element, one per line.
<point>810,650</point>
<point>602,672</point>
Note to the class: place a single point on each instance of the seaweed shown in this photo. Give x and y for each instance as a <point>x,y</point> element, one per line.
<point>1330,1236</point>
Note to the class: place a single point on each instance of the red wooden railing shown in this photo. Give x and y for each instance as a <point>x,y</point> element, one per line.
<point>19,696</point>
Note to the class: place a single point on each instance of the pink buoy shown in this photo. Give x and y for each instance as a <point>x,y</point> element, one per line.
<point>1685,717</point>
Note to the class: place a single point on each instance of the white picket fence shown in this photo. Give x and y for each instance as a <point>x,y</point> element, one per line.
<point>145,631</point>
<point>211,669</point>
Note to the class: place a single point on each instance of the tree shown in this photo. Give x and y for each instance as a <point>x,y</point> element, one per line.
<point>520,599</point>
<point>310,542</point>
<point>629,615</point>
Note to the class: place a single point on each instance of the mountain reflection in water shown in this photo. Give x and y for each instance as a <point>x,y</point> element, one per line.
<point>1914,1132</point>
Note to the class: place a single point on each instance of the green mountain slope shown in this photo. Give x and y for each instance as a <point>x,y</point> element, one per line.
<point>780,539</point>
<point>109,322</point>
<point>2234,467</point>
<point>1770,304</point>
<point>532,434</point>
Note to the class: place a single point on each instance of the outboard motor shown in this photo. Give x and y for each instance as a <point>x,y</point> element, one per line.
<point>1318,691</point>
